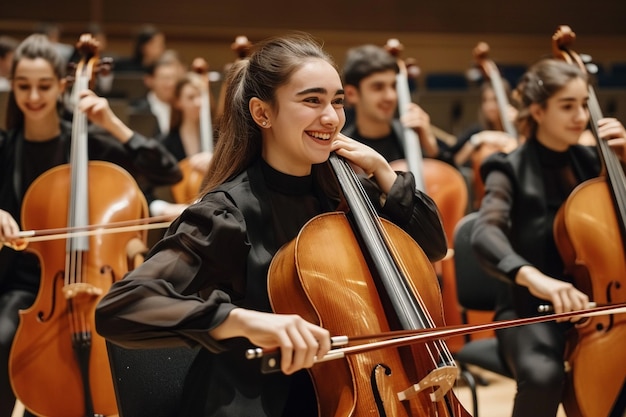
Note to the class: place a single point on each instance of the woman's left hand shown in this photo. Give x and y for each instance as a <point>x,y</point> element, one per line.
<point>366,159</point>
<point>612,130</point>
<point>99,112</point>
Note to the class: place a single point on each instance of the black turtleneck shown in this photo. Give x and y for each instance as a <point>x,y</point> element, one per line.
<point>294,202</point>
<point>557,174</point>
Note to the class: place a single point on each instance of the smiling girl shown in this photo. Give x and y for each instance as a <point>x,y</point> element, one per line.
<point>206,282</point>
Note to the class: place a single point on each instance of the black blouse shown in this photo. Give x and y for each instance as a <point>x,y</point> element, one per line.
<point>523,193</point>
<point>214,259</point>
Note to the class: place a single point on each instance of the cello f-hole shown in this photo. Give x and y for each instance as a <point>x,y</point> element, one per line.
<point>375,390</point>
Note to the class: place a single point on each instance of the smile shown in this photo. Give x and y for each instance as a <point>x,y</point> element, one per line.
<point>320,135</point>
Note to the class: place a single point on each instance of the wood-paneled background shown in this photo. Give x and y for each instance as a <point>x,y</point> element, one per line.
<point>439,34</point>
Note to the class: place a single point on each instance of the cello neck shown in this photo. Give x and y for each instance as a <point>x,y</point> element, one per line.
<point>78,214</point>
<point>492,73</point>
<point>201,67</point>
<point>503,104</point>
<point>612,167</point>
<point>412,148</point>
<point>615,176</point>
<point>368,226</point>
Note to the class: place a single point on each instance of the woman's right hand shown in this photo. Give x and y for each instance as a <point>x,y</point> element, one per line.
<point>563,295</point>
<point>299,341</point>
<point>9,228</point>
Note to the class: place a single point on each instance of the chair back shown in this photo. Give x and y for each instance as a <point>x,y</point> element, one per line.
<point>149,382</point>
<point>476,289</point>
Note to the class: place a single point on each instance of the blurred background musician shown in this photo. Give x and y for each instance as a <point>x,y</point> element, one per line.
<point>149,45</point>
<point>37,140</point>
<point>513,234</point>
<point>184,138</point>
<point>160,80</point>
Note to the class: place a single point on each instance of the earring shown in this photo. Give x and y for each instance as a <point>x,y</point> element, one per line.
<point>264,123</point>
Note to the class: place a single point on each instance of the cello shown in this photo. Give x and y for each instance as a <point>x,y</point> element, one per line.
<point>378,279</point>
<point>589,230</point>
<point>492,73</point>
<point>441,181</point>
<point>186,190</point>
<point>58,365</point>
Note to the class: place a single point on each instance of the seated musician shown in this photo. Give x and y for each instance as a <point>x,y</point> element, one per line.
<point>206,282</point>
<point>37,140</point>
<point>513,234</point>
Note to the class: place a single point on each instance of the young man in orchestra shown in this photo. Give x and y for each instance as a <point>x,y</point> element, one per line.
<point>205,283</point>
<point>369,77</point>
<point>38,139</point>
<point>513,234</point>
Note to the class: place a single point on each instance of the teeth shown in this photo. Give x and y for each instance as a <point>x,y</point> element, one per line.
<point>323,136</point>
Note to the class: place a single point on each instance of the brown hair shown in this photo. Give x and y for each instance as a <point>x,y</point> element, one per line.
<point>539,83</point>
<point>270,66</point>
<point>34,46</point>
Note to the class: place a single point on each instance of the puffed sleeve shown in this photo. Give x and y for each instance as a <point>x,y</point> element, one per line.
<point>413,211</point>
<point>186,285</point>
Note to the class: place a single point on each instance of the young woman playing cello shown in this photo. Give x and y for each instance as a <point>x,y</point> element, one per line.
<point>206,281</point>
<point>514,232</point>
<point>37,141</point>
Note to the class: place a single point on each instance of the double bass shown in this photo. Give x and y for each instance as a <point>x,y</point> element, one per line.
<point>590,231</point>
<point>186,190</point>
<point>58,364</point>
<point>441,181</point>
<point>371,277</point>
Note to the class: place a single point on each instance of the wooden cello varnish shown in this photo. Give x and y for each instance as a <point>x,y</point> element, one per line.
<point>58,364</point>
<point>442,182</point>
<point>366,282</point>
<point>589,230</point>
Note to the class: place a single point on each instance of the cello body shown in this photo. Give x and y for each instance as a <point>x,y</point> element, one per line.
<point>589,231</point>
<point>46,372</point>
<point>446,186</point>
<point>331,285</point>
<point>588,237</point>
<point>186,190</point>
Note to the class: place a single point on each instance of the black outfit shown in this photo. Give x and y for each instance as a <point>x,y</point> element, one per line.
<point>129,65</point>
<point>174,143</point>
<point>21,161</point>
<point>214,258</point>
<point>523,191</point>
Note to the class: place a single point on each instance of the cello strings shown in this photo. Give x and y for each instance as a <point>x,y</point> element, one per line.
<point>374,228</point>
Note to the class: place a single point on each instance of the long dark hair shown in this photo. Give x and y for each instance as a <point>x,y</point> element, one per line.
<point>270,66</point>
<point>34,46</point>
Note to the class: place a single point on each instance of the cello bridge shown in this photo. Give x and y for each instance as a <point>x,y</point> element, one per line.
<point>81,288</point>
<point>441,379</point>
